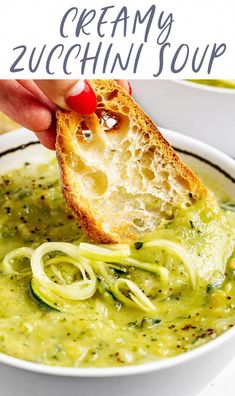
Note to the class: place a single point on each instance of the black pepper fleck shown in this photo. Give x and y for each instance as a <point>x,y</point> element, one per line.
<point>138,245</point>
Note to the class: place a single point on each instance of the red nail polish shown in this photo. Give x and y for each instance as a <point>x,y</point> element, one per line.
<point>85,102</point>
<point>130,88</point>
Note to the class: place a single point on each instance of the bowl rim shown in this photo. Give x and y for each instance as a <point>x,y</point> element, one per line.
<point>218,159</point>
<point>205,88</point>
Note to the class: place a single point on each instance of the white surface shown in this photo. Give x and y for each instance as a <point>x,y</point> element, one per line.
<point>31,385</point>
<point>206,365</point>
<point>203,112</point>
<point>223,385</point>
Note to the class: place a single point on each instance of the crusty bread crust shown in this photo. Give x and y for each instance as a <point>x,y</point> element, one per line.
<point>145,169</point>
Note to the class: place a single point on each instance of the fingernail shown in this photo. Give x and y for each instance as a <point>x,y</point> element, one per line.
<point>82,98</point>
<point>130,88</point>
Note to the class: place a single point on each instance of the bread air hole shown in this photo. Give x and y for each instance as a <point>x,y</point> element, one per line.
<point>87,135</point>
<point>111,95</point>
<point>114,107</point>
<point>151,150</point>
<point>125,109</point>
<point>83,133</point>
<point>146,161</point>
<point>78,165</point>
<point>183,182</point>
<point>146,137</point>
<point>148,173</point>
<point>113,121</point>
<point>67,122</point>
<point>138,222</point>
<point>96,183</point>
<point>138,153</point>
<point>108,120</point>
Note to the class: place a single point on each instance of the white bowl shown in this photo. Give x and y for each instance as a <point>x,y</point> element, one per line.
<point>204,112</point>
<point>182,375</point>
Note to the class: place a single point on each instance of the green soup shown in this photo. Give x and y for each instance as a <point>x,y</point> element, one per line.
<point>217,83</point>
<point>102,331</point>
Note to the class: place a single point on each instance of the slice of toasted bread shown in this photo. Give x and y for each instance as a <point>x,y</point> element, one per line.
<point>120,177</point>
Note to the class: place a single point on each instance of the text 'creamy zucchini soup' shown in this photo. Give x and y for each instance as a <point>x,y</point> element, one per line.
<point>67,302</point>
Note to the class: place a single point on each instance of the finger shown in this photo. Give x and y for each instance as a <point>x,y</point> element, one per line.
<point>76,95</point>
<point>37,92</point>
<point>23,107</point>
<point>126,85</point>
<point>47,138</point>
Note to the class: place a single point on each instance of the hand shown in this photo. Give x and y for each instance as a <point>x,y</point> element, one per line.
<point>32,103</point>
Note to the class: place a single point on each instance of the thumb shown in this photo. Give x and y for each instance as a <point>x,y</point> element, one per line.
<point>76,95</point>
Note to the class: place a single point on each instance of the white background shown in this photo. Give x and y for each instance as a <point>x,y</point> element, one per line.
<point>223,385</point>
<point>197,23</point>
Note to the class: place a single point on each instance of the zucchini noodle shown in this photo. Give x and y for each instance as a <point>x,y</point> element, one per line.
<point>89,266</point>
<point>10,258</point>
<point>124,290</point>
<point>41,294</point>
<point>162,272</point>
<point>177,250</point>
<point>78,290</point>
<point>102,253</point>
<point>130,294</point>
